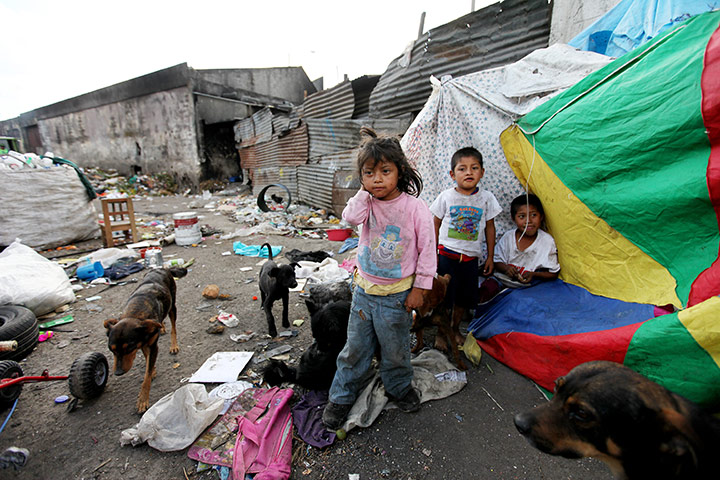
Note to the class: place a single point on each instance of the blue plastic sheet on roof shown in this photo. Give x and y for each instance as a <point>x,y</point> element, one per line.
<point>633,22</point>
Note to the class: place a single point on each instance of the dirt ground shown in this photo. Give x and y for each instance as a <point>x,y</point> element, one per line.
<point>468,435</point>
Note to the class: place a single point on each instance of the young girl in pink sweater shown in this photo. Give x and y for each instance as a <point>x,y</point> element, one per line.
<point>396,264</point>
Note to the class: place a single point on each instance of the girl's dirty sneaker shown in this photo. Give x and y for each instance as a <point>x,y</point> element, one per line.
<point>334,415</point>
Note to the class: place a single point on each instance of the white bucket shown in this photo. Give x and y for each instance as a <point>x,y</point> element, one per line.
<point>187,230</point>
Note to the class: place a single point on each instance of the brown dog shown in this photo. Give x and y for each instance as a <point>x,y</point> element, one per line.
<point>638,428</point>
<point>140,324</point>
<point>435,313</point>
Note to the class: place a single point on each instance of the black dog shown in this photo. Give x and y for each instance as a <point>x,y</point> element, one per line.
<point>324,293</point>
<point>317,365</point>
<point>275,281</point>
<point>637,427</point>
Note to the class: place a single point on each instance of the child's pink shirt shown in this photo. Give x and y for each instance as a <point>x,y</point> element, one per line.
<point>397,239</point>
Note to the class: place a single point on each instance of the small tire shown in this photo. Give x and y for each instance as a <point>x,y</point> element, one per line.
<point>10,369</point>
<point>88,375</point>
<point>20,324</point>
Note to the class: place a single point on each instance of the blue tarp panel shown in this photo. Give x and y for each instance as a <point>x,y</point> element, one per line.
<point>633,22</point>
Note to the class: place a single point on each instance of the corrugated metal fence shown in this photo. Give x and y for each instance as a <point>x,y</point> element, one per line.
<point>493,36</point>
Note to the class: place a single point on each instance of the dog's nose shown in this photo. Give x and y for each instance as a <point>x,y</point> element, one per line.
<point>119,371</point>
<point>523,422</point>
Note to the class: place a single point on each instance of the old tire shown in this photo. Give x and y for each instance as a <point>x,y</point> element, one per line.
<point>10,369</point>
<point>20,324</point>
<point>88,375</point>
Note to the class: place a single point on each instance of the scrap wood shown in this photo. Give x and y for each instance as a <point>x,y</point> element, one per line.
<point>102,464</point>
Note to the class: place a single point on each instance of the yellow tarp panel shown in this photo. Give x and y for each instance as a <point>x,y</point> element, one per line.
<point>701,321</point>
<point>592,254</point>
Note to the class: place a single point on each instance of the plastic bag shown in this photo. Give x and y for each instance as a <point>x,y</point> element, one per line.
<point>472,350</point>
<point>176,420</point>
<point>108,256</point>
<point>31,280</point>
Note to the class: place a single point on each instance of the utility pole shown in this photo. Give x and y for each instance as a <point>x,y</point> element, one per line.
<point>422,25</point>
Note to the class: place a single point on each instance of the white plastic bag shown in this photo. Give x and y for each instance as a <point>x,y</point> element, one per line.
<point>29,279</point>
<point>176,420</point>
<point>108,256</point>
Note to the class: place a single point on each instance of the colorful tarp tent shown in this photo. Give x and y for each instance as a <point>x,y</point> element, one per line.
<point>627,164</point>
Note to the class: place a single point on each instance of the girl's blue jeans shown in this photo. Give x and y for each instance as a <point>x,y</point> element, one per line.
<point>374,321</point>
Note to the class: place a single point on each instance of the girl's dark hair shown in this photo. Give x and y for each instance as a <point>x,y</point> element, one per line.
<point>384,148</point>
<point>523,200</point>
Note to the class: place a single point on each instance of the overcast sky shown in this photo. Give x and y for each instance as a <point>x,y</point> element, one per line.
<point>54,50</point>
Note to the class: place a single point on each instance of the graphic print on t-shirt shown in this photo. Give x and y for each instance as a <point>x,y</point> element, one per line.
<point>383,257</point>
<point>464,221</point>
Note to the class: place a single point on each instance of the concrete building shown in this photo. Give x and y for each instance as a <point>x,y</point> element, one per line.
<point>178,120</point>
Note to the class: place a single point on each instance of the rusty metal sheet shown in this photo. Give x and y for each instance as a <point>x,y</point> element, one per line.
<point>274,161</point>
<point>350,99</point>
<point>491,37</point>
<point>337,102</point>
<point>315,185</point>
<point>244,129</point>
<point>329,136</point>
<point>262,119</point>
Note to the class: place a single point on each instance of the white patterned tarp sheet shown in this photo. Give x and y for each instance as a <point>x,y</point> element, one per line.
<point>473,110</point>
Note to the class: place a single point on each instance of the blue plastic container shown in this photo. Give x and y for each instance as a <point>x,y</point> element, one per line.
<point>89,272</point>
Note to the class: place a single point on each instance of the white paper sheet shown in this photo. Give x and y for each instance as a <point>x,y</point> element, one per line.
<point>222,367</point>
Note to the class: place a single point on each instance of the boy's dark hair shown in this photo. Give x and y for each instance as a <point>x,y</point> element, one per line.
<point>523,200</point>
<point>466,152</point>
<point>384,148</point>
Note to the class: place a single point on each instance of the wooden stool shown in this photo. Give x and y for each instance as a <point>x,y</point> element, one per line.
<point>118,216</point>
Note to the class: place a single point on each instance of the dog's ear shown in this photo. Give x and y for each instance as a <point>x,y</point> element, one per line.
<point>295,265</point>
<point>311,306</point>
<point>150,326</point>
<point>109,323</point>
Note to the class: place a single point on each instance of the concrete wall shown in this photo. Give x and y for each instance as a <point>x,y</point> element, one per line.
<point>570,17</point>
<point>214,110</point>
<point>155,132</point>
<point>288,83</point>
<point>159,121</point>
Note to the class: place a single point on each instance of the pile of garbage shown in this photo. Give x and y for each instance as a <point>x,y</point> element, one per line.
<point>295,221</point>
<point>12,160</point>
<point>107,182</point>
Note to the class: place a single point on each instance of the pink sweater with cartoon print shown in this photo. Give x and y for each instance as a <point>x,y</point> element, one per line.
<point>397,239</point>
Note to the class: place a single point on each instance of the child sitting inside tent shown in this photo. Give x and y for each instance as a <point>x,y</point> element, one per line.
<point>525,255</point>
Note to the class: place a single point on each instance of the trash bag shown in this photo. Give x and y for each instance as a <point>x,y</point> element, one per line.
<point>176,420</point>
<point>31,280</point>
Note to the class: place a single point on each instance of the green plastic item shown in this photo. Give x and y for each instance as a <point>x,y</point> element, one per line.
<point>57,321</point>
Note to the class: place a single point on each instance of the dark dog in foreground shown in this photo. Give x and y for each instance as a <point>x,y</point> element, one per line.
<point>275,283</point>
<point>435,312</point>
<point>638,428</point>
<point>140,324</point>
<point>317,365</point>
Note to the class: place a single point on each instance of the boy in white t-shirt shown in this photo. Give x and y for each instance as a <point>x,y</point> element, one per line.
<point>464,219</point>
<point>526,254</point>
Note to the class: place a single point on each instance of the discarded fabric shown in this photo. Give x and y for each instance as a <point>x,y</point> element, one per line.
<point>254,250</point>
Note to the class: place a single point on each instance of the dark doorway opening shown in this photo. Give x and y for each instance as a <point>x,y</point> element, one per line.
<point>222,160</point>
